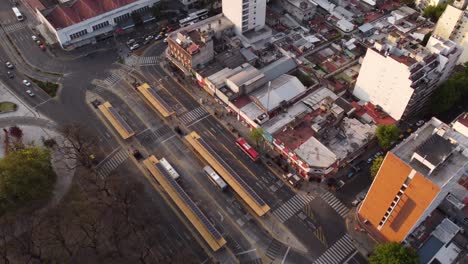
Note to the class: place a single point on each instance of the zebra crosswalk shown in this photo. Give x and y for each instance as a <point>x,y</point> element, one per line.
<point>274,249</point>
<point>193,115</point>
<point>131,60</point>
<point>111,163</point>
<point>337,252</point>
<point>13,27</point>
<point>334,203</point>
<point>112,79</point>
<point>142,61</point>
<point>292,206</point>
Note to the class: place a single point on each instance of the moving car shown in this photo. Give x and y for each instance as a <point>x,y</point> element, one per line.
<point>27,83</point>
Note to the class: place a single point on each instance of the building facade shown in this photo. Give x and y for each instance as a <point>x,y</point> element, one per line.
<point>414,179</point>
<point>301,10</point>
<point>246,15</point>
<point>84,22</point>
<point>453,25</point>
<point>401,79</point>
<point>192,47</point>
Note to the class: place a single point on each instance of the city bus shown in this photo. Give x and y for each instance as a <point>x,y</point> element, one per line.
<point>194,17</point>
<point>215,178</point>
<point>18,14</point>
<point>247,149</point>
<point>174,174</point>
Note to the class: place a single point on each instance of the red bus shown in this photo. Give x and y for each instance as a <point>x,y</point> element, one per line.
<point>251,152</point>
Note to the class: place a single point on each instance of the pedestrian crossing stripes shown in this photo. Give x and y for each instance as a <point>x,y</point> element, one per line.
<point>334,203</point>
<point>111,163</point>
<point>13,27</point>
<point>162,131</point>
<point>252,261</point>
<point>193,115</point>
<point>338,252</point>
<point>147,61</point>
<point>292,206</point>
<point>112,79</point>
<point>274,249</point>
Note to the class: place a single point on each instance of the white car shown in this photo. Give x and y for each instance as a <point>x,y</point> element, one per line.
<point>34,38</point>
<point>135,46</point>
<point>9,65</point>
<point>30,93</point>
<point>420,123</point>
<point>27,83</point>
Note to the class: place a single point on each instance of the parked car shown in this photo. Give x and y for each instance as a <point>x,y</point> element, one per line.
<point>27,83</point>
<point>135,46</point>
<point>420,123</point>
<point>42,47</point>
<point>130,42</point>
<point>149,37</point>
<point>34,38</point>
<point>30,93</point>
<point>38,42</point>
<point>369,160</point>
<point>9,65</point>
<point>10,75</point>
<point>350,175</point>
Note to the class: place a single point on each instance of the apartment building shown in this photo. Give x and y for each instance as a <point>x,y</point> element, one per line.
<point>399,76</point>
<point>415,178</point>
<point>246,15</point>
<point>424,3</point>
<point>192,47</point>
<point>453,25</point>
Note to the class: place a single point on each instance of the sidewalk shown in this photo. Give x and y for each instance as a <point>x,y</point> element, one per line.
<point>362,240</point>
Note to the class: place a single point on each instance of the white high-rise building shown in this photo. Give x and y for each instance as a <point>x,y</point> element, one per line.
<point>247,15</point>
<point>453,25</point>
<point>401,80</point>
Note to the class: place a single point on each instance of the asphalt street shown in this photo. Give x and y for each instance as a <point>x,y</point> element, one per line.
<point>319,230</point>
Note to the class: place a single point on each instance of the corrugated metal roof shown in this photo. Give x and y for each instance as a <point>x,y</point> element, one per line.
<point>283,88</point>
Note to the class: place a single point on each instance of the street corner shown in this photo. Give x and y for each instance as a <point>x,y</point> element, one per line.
<point>362,239</point>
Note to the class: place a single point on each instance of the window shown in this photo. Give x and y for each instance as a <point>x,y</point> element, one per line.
<point>121,18</point>
<point>99,26</point>
<point>79,34</point>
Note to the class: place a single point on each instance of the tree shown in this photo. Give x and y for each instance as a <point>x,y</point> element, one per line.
<point>451,92</point>
<point>256,134</point>
<point>434,12</point>
<point>79,144</point>
<point>393,252</point>
<point>376,166</point>
<point>136,17</point>
<point>26,175</point>
<point>386,134</point>
<point>16,132</point>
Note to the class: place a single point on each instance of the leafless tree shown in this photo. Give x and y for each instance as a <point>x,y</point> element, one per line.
<point>78,145</point>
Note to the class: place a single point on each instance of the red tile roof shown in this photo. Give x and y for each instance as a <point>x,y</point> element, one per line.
<point>379,117</point>
<point>66,15</point>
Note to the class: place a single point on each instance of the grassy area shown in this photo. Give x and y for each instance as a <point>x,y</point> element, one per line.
<point>49,87</point>
<point>7,107</point>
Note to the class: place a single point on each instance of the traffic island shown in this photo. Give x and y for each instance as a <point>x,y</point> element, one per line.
<point>49,87</point>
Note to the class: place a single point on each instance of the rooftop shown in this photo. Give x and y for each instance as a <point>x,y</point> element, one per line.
<point>316,154</point>
<point>435,149</point>
<point>282,89</point>
<point>454,164</point>
<point>73,12</point>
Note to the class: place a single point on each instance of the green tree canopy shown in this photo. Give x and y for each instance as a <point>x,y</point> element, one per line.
<point>391,253</point>
<point>434,12</point>
<point>451,92</point>
<point>26,175</point>
<point>386,134</point>
<point>376,166</point>
<point>256,134</point>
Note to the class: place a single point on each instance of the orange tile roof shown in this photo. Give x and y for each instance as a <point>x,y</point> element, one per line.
<point>415,200</point>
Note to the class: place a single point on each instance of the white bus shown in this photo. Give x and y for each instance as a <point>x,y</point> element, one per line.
<point>215,178</point>
<point>18,14</point>
<point>169,169</point>
<point>194,17</point>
